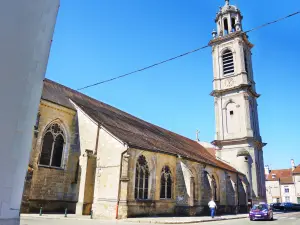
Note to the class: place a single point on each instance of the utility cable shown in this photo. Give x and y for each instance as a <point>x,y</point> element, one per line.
<point>184,54</point>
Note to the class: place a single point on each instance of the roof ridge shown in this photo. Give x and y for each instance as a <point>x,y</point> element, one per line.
<point>76,92</point>
<point>282,169</point>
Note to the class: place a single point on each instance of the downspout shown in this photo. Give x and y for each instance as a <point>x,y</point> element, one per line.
<point>119,188</point>
<point>95,154</point>
<point>97,139</point>
<point>281,199</point>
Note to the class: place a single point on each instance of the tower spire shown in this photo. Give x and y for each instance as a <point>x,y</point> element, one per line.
<point>228,20</point>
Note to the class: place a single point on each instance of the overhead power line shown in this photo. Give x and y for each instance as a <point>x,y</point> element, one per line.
<point>184,54</point>
<point>145,68</point>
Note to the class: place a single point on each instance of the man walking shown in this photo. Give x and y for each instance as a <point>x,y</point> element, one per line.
<point>212,205</point>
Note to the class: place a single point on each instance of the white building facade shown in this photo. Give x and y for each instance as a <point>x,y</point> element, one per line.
<point>27,29</point>
<point>237,128</point>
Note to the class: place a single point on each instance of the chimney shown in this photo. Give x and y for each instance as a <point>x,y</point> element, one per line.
<point>267,170</point>
<point>197,135</point>
<point>293,164</point>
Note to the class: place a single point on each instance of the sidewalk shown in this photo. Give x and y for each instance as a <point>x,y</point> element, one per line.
<point>60,216</point>
<point>184,220</point>
<point>154,220</point>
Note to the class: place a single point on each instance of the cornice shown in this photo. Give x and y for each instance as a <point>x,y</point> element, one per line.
<point>230,36</point>
<point>258,144</point>
<point>216,93</point>
<point>229,10</point>
<point>57,107</point>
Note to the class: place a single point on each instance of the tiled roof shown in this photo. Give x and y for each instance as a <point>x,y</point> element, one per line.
<point>132,130</point>
<point>212,151</point>
<point>279,175</point>
<point>286,180</point>
<point>297,170</point>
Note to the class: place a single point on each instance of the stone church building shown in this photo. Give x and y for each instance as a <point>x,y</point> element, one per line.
<point>89,156</point>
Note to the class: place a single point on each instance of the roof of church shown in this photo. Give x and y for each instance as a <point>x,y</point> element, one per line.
<point>135,132</point>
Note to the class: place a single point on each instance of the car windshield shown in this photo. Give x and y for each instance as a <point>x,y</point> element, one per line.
<point>259,207</point>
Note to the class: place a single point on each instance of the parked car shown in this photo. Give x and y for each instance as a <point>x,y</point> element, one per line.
<point>276,206</point>
<point>296,207</point>
<point>286,206</point>
<point>261,212</point>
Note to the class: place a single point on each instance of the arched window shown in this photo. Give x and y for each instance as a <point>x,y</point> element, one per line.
<point>214,187</point>
<point>53,145</point>
<point>226,28</point>
<point>141,178</point>
<point>228,65</point>
<point>233,24</point>
<point>166,183</point>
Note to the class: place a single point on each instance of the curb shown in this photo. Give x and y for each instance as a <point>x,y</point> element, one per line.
<point>57,218</point>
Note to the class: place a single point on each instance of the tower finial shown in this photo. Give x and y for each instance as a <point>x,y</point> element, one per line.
<point>226,2</point>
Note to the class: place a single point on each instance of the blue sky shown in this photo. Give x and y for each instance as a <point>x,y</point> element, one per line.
<point>98,39</point>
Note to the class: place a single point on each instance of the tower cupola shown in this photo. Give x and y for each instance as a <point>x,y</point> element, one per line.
<point>228,20</point>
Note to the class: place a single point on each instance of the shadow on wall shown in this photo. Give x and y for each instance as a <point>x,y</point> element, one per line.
<point>206,188</point>
<point>230,192</point>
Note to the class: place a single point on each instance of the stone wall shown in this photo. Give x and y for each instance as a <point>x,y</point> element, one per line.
<point>53,188</point>
<point>191,187</point>
<point>153,205</point>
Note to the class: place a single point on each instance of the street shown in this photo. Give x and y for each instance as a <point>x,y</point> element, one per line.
<point>279,218</point>
<point>283,218</point>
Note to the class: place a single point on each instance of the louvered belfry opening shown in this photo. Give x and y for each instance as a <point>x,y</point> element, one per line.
<point>228,66</point>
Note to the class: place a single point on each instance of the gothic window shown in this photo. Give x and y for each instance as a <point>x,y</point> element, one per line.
<point>166,183</point>
<point>214,187</point>
<point>53,145</point>
<point>228,65</point>
<point>141,178</point>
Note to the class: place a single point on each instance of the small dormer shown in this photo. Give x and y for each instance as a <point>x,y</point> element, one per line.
<point>273,176</point>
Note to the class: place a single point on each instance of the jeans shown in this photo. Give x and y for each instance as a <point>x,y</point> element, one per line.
<point>212,212</point>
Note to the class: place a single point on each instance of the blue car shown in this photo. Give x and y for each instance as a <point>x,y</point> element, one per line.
<point>287,206</point>
<point>261,212</point>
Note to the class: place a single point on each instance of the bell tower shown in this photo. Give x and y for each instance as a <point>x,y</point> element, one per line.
<point>237,134</point>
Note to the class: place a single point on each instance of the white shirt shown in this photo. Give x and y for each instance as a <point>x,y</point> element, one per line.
<point>212,204</point>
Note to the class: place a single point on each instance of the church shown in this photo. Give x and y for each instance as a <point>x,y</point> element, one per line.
<point>88,156</point>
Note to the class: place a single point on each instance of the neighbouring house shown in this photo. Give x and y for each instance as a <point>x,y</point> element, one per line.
<point>283,185</point>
